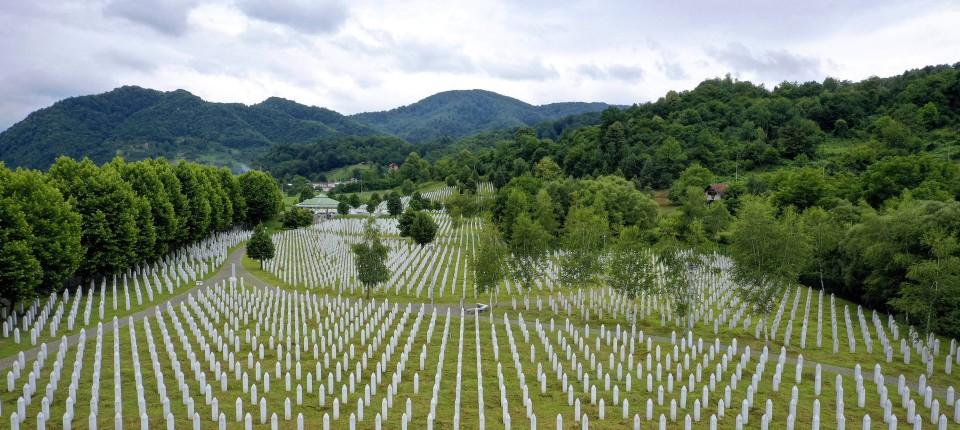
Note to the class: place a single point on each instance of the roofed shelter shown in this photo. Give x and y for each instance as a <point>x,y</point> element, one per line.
<point>320,205</point>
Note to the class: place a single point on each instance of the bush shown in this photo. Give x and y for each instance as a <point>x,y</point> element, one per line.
<point>296,217</point>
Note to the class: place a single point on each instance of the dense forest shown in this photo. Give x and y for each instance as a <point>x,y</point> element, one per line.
<point>80,220</point>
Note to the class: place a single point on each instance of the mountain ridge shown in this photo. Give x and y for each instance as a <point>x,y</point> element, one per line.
<point>137,122</point>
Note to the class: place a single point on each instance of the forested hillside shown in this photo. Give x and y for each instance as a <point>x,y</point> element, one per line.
<point>455,114</point>
<point>142,123</point>
<point>139,123</point>
<point>853,184</point>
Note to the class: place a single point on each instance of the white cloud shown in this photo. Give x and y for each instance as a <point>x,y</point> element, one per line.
<point>366,55</point>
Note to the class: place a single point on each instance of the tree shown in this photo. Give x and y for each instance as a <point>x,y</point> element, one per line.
<point>931,295</point>
<point>894,136</point>
<point>54,225</point>
<point>406,221</point>
<point>825,233</point>
<point>181,207</point>
<point>802,188</point>
<point>676,260</point>
<point>262,196</point>
<point>343,207</point>
<point>354,201</point>
<point>799,136</point>
<point>198,223</point>
<point>768,254</point>
<point>543,211</point>
<point>694,176</point>
<point>529,244</point>
<point>547,169</point>
<point>423,229</point>
<point>489,264</point>
<point>630,267</point>
<point>620,199</point>
<point>407,188</point>
<point>20,272</point>
<point>146,182</point>
<point>373,202</point>
<point>109,214</point>
<point>370,259</point>
<point>296,218</point>
<point>584,238</point>
<point>260,246</point>
<point>394,205</point>
<point>306,193</point>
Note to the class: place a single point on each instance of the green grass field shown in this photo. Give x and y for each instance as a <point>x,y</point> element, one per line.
<point>306,296</point>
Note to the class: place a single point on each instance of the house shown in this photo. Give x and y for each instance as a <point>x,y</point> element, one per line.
<point>714,192</point>
<point>320,205</point>
<point>393,167</point>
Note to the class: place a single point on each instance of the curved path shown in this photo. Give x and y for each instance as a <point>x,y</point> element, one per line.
<point>235,260</point>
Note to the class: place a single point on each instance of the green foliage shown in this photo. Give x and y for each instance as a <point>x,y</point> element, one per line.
<point>585,232</point>
<point>406,221</point>
<point>262,196</point>
<point>394,204</point>
<point>354,201</point>
<point>489,262</point>
<point>306,158</point>
<point>463,205</point>
<point>768,253</point>
<point>306,194</point>
<point>880,249</point>
<point>544,212</point>
<point>825,230</point>
<point>109,214</point>
<point>260,246</point>
<point>620,200</point>
<point>798,137</point>
<point>630,268</point>
<point>547,169</point>
<point>802,188</point>
<point>676,259</point>
<point>462,113</point>
<point>54,239</point>
<point>930,296</point>
<point>343,208</point>
<point>86,221</point>
<point>140,123</point>
<point>695,176</point>
<point>370,258</point>
<point>894,136</point>
<point>422,229</point>
<point>529,245</point>
<point>21,272</point>
<point>928,177</point>
<point>296,218</point>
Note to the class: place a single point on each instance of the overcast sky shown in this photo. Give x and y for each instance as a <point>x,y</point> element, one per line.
<point>360,55</point>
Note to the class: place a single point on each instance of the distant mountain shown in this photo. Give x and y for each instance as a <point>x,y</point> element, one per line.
<point>461,113</point>
<point>139,123</point>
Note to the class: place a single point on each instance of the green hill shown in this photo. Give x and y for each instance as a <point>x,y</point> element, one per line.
<point>456,114</point>
<point>139,123</point>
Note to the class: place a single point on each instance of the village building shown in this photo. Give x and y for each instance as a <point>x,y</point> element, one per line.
<point>714,192</point>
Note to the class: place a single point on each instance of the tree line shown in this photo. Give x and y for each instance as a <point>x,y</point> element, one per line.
<point>79,220</point>
<point>848,187</point>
